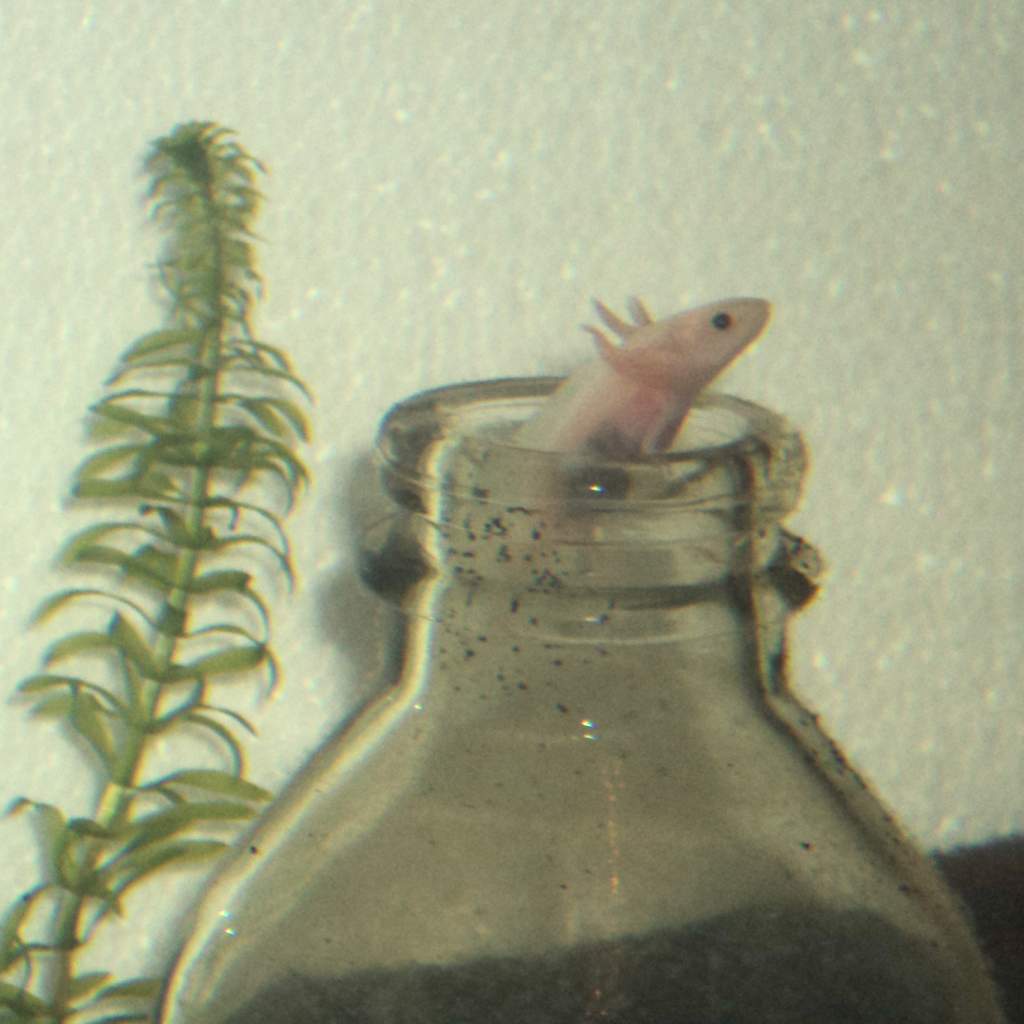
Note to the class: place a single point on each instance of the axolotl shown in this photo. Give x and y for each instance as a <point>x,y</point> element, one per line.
<point>632,400</point>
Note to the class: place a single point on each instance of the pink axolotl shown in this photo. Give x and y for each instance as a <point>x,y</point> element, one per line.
<point>633,400</point>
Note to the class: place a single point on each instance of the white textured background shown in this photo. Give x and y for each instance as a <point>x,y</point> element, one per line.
<point>451,182</point>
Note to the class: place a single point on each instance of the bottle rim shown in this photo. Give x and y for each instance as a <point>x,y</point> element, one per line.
<point>724,440</point>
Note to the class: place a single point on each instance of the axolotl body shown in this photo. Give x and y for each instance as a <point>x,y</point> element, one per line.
<point>632,400</point>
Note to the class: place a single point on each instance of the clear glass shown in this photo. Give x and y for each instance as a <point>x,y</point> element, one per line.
<point>587,793</point>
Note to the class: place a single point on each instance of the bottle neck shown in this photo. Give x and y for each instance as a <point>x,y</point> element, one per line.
<point>589,547</point>
<point>532,581</point>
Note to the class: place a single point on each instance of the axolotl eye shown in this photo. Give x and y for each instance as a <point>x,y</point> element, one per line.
<point>721,321</point>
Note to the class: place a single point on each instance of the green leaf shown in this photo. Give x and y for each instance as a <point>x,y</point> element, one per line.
<point>46,681</point>
<point>152,566</point>
<point>153,486</point>
<point>233,715</point>
<point>187,454</point>
<point>52,831</point>
<point>90,884</point>
<point>142,366</point>
<point>57,601</point>
<point>88,642</point>
<point>293,414</point>
<point>123,1018</point>
<point>57,707</point>
<point>214,782</point>
<point>235,365</point>
<point>230,445</point>
<point>273,468</point>
<point>273,671</point>
<point>133,988</point>
<point>25,1005</point>
<point>105,432</point>
<point>86,719</point>
<point>262,351</point>
<point>254,599</point>
<point>229,660</point>
<point>275,458</point>
<point>147,859</point>
<point>110,409</point>
<point>229,628</point>
<point>232,580</point>
<point>225,735</point>
<point>160,394</point>
<point>266,417</point>
<point>178,532</point>
<point>159,341</point>
<point>100,554</point>
<point>251,538</point>
<point>89,538</point>
<point>90,828</point>
<point>137,709</point>
<point>287,457</point>
<point>96,466</point>
<point>133,646</point>
<point>194,703</point>
<point>161,825</point>
<point>10,926</point>
<point>275,413</point>
<point>12,948</point>
<point>171,621</point>
<point>82,984</point>
<point>236,509</point>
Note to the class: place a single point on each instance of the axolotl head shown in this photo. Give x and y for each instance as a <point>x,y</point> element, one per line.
<point>633,399</point>
<point>663,365</point>
<point>682,354</point>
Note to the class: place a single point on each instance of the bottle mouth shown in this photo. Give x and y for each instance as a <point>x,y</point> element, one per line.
<point>460,441</point>
<point>464,503</point>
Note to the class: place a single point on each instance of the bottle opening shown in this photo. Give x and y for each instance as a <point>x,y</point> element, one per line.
<point>466,505</point>
<point>461,441</point>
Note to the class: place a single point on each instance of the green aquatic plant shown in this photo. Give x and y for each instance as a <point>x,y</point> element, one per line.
<point>195,426</point>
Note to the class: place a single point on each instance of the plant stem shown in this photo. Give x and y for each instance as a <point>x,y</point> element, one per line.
<point>211,429</point>
<point>115,800</point>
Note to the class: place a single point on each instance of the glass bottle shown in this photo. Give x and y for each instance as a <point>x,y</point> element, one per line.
<point>588,794</point>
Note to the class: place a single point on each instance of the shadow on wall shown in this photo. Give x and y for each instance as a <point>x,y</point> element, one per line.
<point>990,880</point>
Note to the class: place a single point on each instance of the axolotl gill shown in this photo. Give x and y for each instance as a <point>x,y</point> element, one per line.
<point>633,399</point>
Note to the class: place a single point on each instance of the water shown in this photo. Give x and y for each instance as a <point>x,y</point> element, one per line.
<point>757,966</point>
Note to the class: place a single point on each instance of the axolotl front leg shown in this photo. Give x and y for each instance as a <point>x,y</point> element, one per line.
<point>633,399</point>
